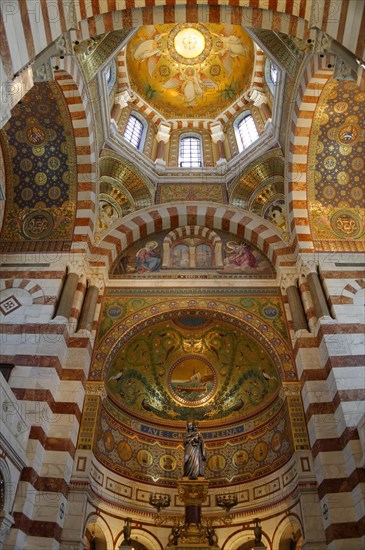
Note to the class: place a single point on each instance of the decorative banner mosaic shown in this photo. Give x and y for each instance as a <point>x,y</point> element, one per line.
<point>251,454</point>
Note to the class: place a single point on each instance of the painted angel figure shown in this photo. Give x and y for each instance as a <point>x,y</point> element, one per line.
<point>150,50</point>
<point>228,46</point>
<point>191,83</point>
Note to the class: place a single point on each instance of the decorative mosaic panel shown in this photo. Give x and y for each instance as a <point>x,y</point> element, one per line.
<point>164,356</point>
<point>192,251</point>
<point>191,367</point>
<point>87,428</point>
<point>238,455</point>
<point>190,192</point>
<point>40,163</point>
<point>337,168</point>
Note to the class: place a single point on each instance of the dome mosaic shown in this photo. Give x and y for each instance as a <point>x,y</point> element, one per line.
<point>185,66</point>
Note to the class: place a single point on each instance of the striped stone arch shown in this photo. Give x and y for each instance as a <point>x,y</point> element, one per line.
<point>103,525</point>
<point>341,19</point>
<point>99,17</point>
<point>29,286</point>
<point>191,231</point>
<point>71,82</point>
<point>314,78</point>
<point>245,225</point>
<point>349,292</point>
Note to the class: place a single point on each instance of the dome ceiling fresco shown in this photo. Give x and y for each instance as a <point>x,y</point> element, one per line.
<point>177,68</point>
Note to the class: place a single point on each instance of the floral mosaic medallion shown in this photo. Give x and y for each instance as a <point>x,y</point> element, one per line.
<point>336,150</point>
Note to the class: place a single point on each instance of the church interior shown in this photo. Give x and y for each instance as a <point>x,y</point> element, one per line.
<point>182,253</point>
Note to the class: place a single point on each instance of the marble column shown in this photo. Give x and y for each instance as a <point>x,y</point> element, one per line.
<point>89,306</point>
<point>162,138</point>
<point>65,303</point>
<point>289,283</point>
<point>321,309</point>
<point>218,138</point>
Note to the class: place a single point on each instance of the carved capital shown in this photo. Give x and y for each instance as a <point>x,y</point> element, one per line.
<point>163,133</point>
<point>307,267</point>
<point>43,72</point>
<point>290,388</point>
<point>80,268</point>
<point>258,98</point>
<point>123,98</point>
<point>322,43</point>
<point>288,279</point>
<point>217,132</point>
<point>96,279</point>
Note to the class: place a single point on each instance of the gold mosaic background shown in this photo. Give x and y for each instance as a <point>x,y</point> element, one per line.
<point>202,87</point>
<point>336,168</point>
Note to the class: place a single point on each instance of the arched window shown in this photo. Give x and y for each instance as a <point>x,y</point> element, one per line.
<point>246,131</point>
<point>271,76</point>
<point>111,75</point>
<point>190,151</point>
<point>274,73</point>
<point>135,131</point>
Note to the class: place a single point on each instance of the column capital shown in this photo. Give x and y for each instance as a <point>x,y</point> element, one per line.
<point>307,266</point>
<point>123,98</point>
<point>322,44</point>
<point>217,132</point>
<point>288,279</point>
<point>78,267</point>
<point>95,279</point>
<point>163,133</point>
<point>258,98</point>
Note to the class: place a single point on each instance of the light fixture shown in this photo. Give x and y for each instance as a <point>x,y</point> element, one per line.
<point>189,42</point>
<point>226,501</point>
<point>159,501</point>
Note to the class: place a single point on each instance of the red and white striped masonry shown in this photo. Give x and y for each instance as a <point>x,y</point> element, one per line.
<point>26,30</point>
<point>155,219</point>
<point>312,83</point>
<point>71,83</point>
<point>330,364</point>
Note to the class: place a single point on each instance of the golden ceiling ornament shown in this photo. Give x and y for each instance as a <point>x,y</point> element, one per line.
<point>189,43</point>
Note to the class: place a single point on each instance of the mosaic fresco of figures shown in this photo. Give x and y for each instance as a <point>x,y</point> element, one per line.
<point>204,66</point>
<point>196,250</point>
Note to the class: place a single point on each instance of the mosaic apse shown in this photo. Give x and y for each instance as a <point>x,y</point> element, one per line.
<point>190,70</point>
<point>192,367</point>
<point>336,180</point>
<point>40,163</point>
<point>164,357</point>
